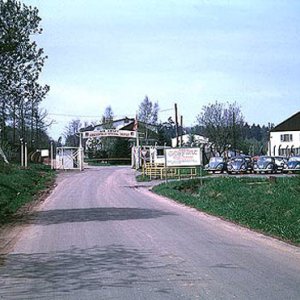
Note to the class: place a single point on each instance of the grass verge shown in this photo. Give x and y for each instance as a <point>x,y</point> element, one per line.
<point>271,206</point>
<point>142,178</point>
<point>19,186</point>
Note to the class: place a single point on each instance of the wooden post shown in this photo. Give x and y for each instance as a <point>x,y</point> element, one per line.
<point>181,134</point>
<point>176,123</point>
<point>51,155</point>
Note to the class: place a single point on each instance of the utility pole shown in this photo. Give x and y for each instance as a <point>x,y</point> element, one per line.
<point>176,123</point>
<point>181,133</point>
<point>51,155</point>
<point>234,137</point>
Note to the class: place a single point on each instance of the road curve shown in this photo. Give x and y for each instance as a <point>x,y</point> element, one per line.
<point>100,235</point>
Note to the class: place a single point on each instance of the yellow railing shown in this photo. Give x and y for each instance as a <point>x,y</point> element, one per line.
<point>159,171</point>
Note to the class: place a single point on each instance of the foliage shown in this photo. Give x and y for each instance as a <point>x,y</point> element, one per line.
<point>21,63</point>
<point>166,131</point>
<point>71,133</point>
<point>108,118</point>
<point>148,114</point>
<point>148,111</point>
<point>222,124</point>
<point>270,206</point>
<point>19,186</point>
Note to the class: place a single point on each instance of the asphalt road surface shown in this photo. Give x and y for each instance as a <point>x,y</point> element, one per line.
<point>100,235</point>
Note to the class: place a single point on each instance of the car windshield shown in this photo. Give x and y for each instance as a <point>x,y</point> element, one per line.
<point>279,158</point>
<point>294,158</point>
<point>237,159</point>
<point>215,159</point>
<point>265,159</point>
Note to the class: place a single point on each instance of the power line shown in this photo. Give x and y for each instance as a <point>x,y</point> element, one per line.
<point>167,109</point>
<point>73,116</point>
<point>90,116</point>
<point>87,116</point>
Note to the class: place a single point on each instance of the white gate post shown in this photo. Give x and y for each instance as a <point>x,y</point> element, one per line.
<point>137,165</point>
<point>80,152</point>
<point>51,155</point>
<point>25,155</point>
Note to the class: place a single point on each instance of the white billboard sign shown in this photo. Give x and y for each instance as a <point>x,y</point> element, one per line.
<point>181,157</point>
<point>109,133</point>
<point>44,153</point>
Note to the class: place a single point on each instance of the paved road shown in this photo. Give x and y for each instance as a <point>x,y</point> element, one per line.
<point>101,236</point>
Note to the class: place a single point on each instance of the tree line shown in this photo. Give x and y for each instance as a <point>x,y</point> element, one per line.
<point>21,63</point>
<point>222,123</point>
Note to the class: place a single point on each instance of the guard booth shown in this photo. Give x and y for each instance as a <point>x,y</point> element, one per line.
<point>154,155</point>
<point>68,158</point>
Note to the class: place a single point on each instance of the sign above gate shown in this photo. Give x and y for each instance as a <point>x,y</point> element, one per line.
<point>109,133</point>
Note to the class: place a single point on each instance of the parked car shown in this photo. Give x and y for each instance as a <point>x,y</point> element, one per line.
<point>239,164</point>
<point>281,162</point>
<point>216,164</point>
<point>265,164</point>
<point>293,164</point>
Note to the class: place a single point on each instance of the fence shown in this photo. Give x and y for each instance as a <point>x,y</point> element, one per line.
<point>160,171</point>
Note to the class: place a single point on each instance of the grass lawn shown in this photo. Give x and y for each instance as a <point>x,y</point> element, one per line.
<point>19,186</point>
<point>269,206</point>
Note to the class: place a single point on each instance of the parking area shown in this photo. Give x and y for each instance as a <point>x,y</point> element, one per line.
<point>258,165</point>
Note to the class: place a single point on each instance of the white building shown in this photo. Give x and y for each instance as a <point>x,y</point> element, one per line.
<point>189,140</point>
<point>285,137</point>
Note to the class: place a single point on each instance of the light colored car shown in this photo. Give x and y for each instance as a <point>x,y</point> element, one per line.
<point>265,164</point>
<point>216,164</point>
<point>281,162</point>
<point>239,164</point>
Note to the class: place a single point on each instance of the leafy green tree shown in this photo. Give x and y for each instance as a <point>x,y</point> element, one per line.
<point>21,62</point>
<point>108,143</point>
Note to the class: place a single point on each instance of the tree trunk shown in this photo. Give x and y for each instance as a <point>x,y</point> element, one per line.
<point>3,155</point>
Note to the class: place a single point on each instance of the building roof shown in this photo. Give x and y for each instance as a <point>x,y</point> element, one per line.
<point>290,124</point>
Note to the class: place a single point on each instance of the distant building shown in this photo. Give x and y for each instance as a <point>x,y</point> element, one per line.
<point>116,124</point>
<point>189,140</point>
<point>285,137</point>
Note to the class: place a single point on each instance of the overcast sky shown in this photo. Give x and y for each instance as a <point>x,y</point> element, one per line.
<point>192,52</point>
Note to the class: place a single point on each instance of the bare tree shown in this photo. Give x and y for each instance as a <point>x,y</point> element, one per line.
<point>71,133</point>
<point>148,114</point>
<point>222,124</point>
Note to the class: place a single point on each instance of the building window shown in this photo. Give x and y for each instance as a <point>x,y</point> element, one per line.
<point>282,152</point>
<point>286,137</point>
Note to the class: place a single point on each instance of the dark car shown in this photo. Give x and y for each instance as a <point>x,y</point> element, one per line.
<point>281,163</point>
<point>293,164</point>
<point>216,164</point>
<point>239,164</point>
<point>265,164</point>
